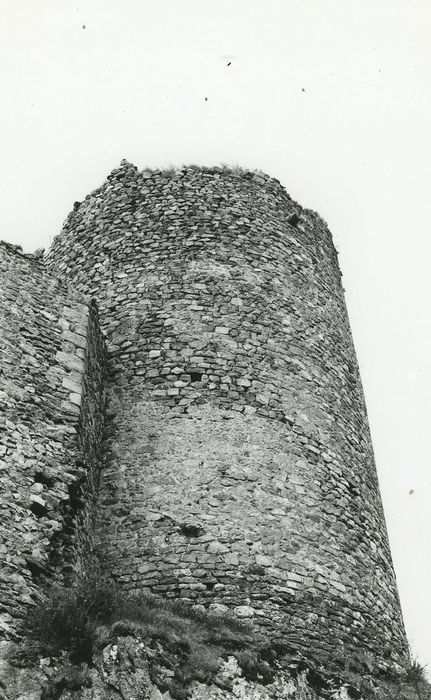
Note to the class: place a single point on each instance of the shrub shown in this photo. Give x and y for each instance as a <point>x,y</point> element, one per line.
<point>67,618</point>
<point>415,673</point>
<point>253,667</point>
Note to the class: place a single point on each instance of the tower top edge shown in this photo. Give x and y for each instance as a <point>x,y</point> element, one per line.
<point>127,170</point>
<point>226,169</point>
<point>172,170</point>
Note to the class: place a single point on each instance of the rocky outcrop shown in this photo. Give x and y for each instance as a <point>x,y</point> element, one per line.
<point>128,669</point>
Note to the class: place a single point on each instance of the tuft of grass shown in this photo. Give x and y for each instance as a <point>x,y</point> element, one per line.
<point>233,169</point>
<point>94,612</point>
<point>415,677</point>
<point>415,673</point>
<point>253,666</point>
<point>67,618</point>
<point>358,671</point>
<point>191,643</point>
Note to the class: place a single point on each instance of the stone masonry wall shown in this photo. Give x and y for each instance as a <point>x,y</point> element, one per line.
<point>51,418</point>
<point>238,468</point>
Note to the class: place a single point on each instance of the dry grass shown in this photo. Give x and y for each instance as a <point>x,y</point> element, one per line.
<point>94,612</point>
<point>83,619</point>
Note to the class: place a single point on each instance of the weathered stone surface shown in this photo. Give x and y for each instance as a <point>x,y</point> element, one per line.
<point>237,455</point>
<point>236,468</point>
<point>128,669</point>
<point>50,442</point>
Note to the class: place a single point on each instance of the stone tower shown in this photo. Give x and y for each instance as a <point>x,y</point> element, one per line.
<point>238,468</point>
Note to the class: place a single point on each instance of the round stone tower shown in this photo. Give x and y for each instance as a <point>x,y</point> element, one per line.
<point>238,468</point>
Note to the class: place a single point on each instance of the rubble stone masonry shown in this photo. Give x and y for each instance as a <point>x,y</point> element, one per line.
<point>237,464</point>
<point>52,367</point>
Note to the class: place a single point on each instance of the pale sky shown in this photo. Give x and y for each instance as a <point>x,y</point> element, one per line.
<point>332,97</point>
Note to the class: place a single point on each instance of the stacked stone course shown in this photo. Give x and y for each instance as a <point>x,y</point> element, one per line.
<point>237,465</point>
<point>51,420</point>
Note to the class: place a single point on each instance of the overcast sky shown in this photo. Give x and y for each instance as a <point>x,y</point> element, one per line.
<point>330,96</point>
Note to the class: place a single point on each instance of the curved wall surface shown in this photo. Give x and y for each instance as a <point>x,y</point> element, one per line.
<point>238,467</point>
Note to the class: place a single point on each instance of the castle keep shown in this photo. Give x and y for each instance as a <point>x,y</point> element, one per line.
<point>197,317</point>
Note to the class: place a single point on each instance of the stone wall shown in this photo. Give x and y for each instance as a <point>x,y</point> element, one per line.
<point>51,419</point>
<point>238,468</point>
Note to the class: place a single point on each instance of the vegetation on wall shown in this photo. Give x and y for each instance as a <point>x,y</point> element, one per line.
<point>81,620</point>
<point>94,612</point>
